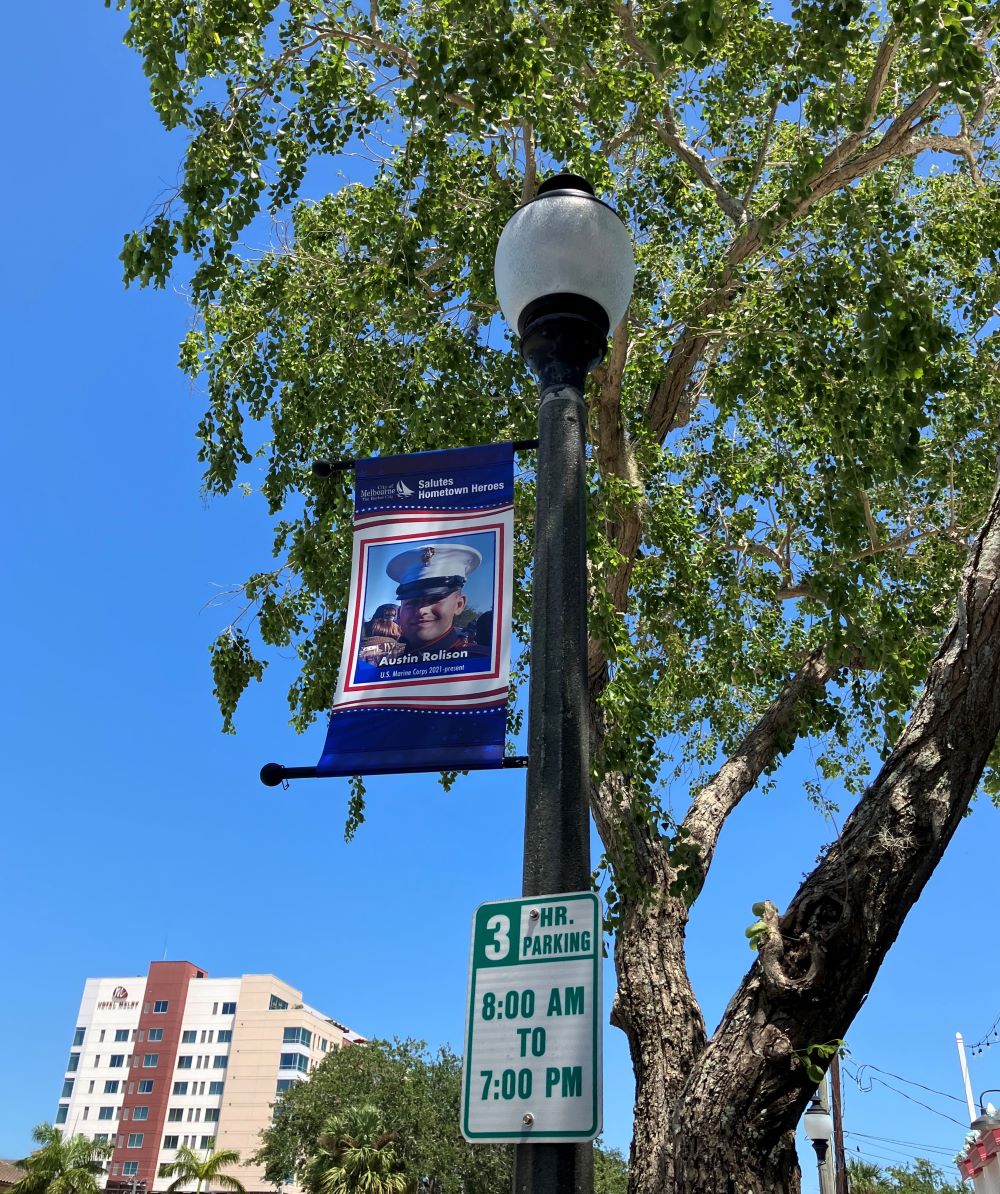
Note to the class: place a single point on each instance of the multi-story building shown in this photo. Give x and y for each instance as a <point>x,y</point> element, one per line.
<point>175,1057</point>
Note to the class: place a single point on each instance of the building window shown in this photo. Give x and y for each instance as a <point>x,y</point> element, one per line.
<point>156,1034</point>
<point>151,1061</point>
<point>294,1061</point>
<point>216,1088</point>
<point>111,1086</point>
<point>208,1142</point>
<point>180,1088</point>
<point>78,1037</point>
<point>125,1113</point>
<point>184,1061</point>
<point>62,1113</point>
<point>134,1140</point>
<point>140,1113</point>
<point>175,1115</point>
<point>117,1060</point>
<point>283,1084</point>
<point>74,1063</point>
<point>188,1036</point>
<point>101,1037</point>
<point>211,1115</point>
<point>86,1113</point>
<point>105,1113</point>
<point>97,1060</point>
<point>90,1086</point>
<point>229,1009</point>
<point>160,1006</point>
<point>225,1036</point>
<point>100,1137</point>
<point>220,1062</point>
<point>170,1141</point>
<point>297,1036</point>
<point>146,1086</point>
<point>277,1005</point>
<point>121,1034</point>
<point>130,1168</point>
<point>67,1089</point>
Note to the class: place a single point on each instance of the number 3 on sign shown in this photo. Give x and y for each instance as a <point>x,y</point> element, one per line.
<point>497,949</point>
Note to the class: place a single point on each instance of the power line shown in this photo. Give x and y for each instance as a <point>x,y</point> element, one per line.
<point>909,1082</point>
<point>888,1085</point>
<point>935,1148</point>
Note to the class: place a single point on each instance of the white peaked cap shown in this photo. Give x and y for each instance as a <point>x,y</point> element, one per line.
<point>428,562</point>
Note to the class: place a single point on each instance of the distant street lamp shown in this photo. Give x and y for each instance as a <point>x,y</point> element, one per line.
<point>818,1124</point>
<point>564,274</point>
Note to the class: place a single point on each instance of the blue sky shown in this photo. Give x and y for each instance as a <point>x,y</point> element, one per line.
<point>132,828</point>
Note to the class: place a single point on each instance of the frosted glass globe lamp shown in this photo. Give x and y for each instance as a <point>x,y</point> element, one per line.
<point>564,273</point>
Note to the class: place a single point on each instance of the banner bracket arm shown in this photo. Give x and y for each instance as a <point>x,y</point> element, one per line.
<point>326,468</point>
<point>273,775</point>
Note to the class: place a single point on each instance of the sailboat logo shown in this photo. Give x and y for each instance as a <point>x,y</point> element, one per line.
<point>403,490</point>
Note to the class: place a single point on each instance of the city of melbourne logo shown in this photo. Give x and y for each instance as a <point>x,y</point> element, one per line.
<point>428,488</point>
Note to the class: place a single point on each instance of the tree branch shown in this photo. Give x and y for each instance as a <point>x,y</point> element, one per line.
<point>758,166</point>
<point>667,129</point>
<point>852,905</point>
<point>962,146</point>
<point>721,795</point>
<point>669,134</point>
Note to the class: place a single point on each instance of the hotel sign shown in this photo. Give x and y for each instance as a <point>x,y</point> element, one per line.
<point>119,1000</point>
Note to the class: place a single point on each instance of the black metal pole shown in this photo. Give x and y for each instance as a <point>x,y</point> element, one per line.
<point>560,349</point>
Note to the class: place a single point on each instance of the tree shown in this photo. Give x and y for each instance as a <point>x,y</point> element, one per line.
<point>864,1177</point>
<point>356,1156</point>
<point>62,1165</point>
<point>610,1171</point>
<point>419,1095</point>
<point>794,529</point>
<point>919,1178</point>
<point>187,1166</point>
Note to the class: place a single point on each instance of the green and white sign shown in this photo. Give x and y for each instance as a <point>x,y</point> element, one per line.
<point>533,1047</point>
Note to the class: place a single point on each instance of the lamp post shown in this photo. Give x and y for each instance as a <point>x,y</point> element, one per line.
<point>818,1124</point>
<point>564,273</point>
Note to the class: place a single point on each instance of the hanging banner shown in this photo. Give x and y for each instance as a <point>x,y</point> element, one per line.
<point>424,673</point>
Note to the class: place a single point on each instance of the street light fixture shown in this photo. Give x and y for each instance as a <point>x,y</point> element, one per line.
<point>987,1119</point>
<point>818,1124</point>
<point>564,274</point>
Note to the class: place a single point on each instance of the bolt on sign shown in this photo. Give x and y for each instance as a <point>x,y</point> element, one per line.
<point>532,1071</point>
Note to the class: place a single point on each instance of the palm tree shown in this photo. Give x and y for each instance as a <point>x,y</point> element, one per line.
<point>357,1156</point>
<point>865,1178</point>
<point>58,1166</point>
<point>187,1166</point>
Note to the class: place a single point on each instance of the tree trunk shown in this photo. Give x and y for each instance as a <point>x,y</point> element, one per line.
<point>685,1141</point>
<point>720,1117</point>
